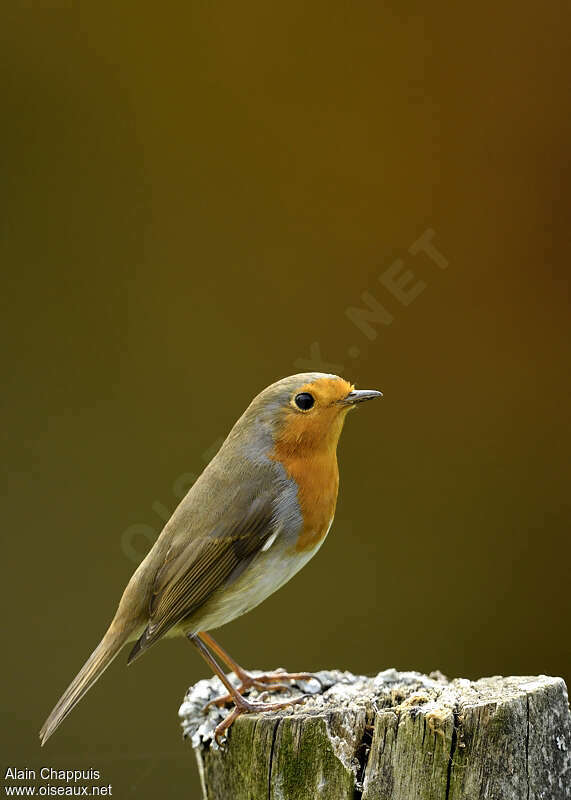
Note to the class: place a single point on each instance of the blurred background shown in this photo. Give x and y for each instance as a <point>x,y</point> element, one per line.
<point>196,198</point>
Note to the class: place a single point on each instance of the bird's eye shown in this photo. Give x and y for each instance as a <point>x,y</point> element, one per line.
<point>304,401</point>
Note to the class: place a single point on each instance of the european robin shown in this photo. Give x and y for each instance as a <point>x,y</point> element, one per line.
<point>259,511</point>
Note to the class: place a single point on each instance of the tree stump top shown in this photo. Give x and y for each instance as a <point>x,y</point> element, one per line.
<point>395,736</point>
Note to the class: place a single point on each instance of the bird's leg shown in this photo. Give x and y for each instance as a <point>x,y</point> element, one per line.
<point>241,705</point>
<point>269,681</point>
<point>246,680</point>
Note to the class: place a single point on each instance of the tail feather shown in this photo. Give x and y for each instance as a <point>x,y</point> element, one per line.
<point>93,668</point>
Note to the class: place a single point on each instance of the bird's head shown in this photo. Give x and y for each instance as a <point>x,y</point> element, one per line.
<point>306,412</point>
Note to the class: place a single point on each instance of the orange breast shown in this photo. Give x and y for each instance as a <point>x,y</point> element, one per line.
<point>317,478</point>
<point>306,446</point>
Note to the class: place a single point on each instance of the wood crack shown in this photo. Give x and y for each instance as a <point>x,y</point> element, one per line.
<point>271,756</point>
<point>453,743</point>
<point>362,755</point>
<point>527,749</point>
<point>397,713</point>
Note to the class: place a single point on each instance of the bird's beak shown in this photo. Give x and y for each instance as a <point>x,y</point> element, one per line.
<point>359,396</point>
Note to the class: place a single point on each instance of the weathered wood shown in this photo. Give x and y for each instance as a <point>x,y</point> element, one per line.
<point>398,736</point>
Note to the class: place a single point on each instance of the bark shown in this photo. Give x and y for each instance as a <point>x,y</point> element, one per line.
<point>398,736</point>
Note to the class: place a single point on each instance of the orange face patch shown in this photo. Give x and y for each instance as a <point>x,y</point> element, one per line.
<point>306,445</point>
<point>321,424</point>
<point>327,390</point>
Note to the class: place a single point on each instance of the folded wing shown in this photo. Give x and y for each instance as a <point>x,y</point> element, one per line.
<point>194,570</point>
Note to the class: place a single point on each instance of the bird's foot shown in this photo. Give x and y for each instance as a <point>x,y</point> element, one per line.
<point>268,681</point>
<point>243,706</point>
<point>281,675</point>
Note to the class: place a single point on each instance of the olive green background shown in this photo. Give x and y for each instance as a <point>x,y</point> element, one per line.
<point>193,196</point>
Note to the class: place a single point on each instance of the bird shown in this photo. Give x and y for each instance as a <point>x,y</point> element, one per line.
<point>256,515</point>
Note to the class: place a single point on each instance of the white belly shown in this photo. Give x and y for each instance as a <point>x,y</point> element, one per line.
<point>265,575</point>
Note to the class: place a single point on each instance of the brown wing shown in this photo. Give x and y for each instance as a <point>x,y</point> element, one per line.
<point>189,577</point>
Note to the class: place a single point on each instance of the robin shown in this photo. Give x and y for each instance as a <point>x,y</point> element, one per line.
<point>259,511</point>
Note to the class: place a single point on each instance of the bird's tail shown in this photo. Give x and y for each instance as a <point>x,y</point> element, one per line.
<point>95,665</point>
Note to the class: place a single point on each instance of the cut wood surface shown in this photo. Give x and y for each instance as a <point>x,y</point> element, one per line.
<point>397,736</point>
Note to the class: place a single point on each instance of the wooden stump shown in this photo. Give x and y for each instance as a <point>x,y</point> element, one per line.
<point>398,736</point>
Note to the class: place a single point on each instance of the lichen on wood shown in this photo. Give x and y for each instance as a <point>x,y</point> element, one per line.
<point>397,736</point>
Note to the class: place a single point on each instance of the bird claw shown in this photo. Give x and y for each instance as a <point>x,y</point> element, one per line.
<point>268,681</point>
<point>244,706</point>
<point>277,678</point>
<point>219,702</point>
<point>276,687</point>
<point>224,699</point>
